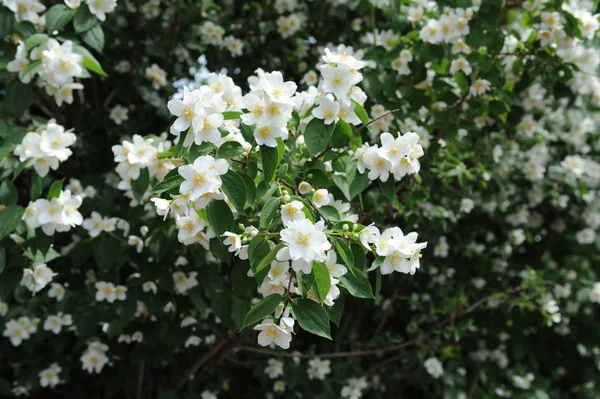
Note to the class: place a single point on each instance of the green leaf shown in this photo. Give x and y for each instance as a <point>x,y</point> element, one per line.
<point>115,328</point>
<point>269,212</point>
<point>330,213</point>
<point>31,66</point>
<point>18,97</point>
<point>239,309</point>
<point>195,295</point>
<point>89,61</point>
<point>250,190</point>
<point>6,149</point>
<point>336,311</point>
<point>229,150</point>
<point>262,309</point>
<point>322,279</point>
<point>342,134</point>
<point>35,40</point>
<point>25,28</point>
<point>371,84</point>
<point>378,284</point>
<point>94,38</point>
<point>139,185</point>
<point>107,251</point>
<point>312,317</point>
<point>37,185</point>
<point>230,115</point>
<point>360,111</point>
<point>8,193</point>
<point>58,16</point>
<point>10,218</point>
<point>55,189</point>
<point>235,189</point>
<point>42,241</point>
<point>7,21</point>
<point>2,259</point>
<point>198,150</point>
<point>168,184</point>
<point>357,284</point>
<point>344,251</point>
<point>376,263</point>
<point>462,81</point>
<point>265,263</point>
<point>317,135</point>
<point>353,183</point>
<point>84,20</point>
<point>388,189</point>
<point>270,159</point>
<point>220,217</point>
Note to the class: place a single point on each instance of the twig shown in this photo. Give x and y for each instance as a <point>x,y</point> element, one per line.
<point>334,355</point>
<point>140,384</point>
<point>198,365</point>
<point>375,120</point>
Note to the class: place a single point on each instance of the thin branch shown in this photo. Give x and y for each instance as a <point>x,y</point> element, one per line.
<point>375,120</point>
<point>140,384</point>
<point>198,365</point>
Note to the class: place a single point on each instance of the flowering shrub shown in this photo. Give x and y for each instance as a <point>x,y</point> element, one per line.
<point>215,200</point>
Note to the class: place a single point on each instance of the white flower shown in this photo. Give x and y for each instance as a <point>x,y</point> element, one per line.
<point>120,292</point>
<point>272,333</point>
<point>467,205</point>
<point>162,206</point>
<point>479,87</point>
<point>434,367</point>
<point>586,236</point>
<point>3,309</point>
<point>94,225</point>
<point>100,8</point>
<point>150,286</point>
<point>292,211</point>
<point>595,293</point>
<point>203,176</point>
<point>327,109</point>
<point>36,279</point>
<point>318,369</point>
<point>183,283</point>
<point>94,358</point>
<point>523,382</point>
<point>136,242</point>
<point>306,243</point>
<point>49,377</point>
<point>321,198</point>
<point>105,291</point>
<point>233,240</point>
<point>460,64</point>
<point>192,341</point>
<point>208,395</point>
<point>119,114</point>
<point>16,332</point>
<point>274,368</point>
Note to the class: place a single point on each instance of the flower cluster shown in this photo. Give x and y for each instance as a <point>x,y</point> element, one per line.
<point>451,27</point>
<point>56,64</point>
<point>57,214</point>
<point>398,156</point>
<point>26,10</point>
<point>270,104</point>
<point>109,292</point>
<point>46,148</point>
<point>138,154</point>
<point>213,33</point>
<point>20,330</point>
